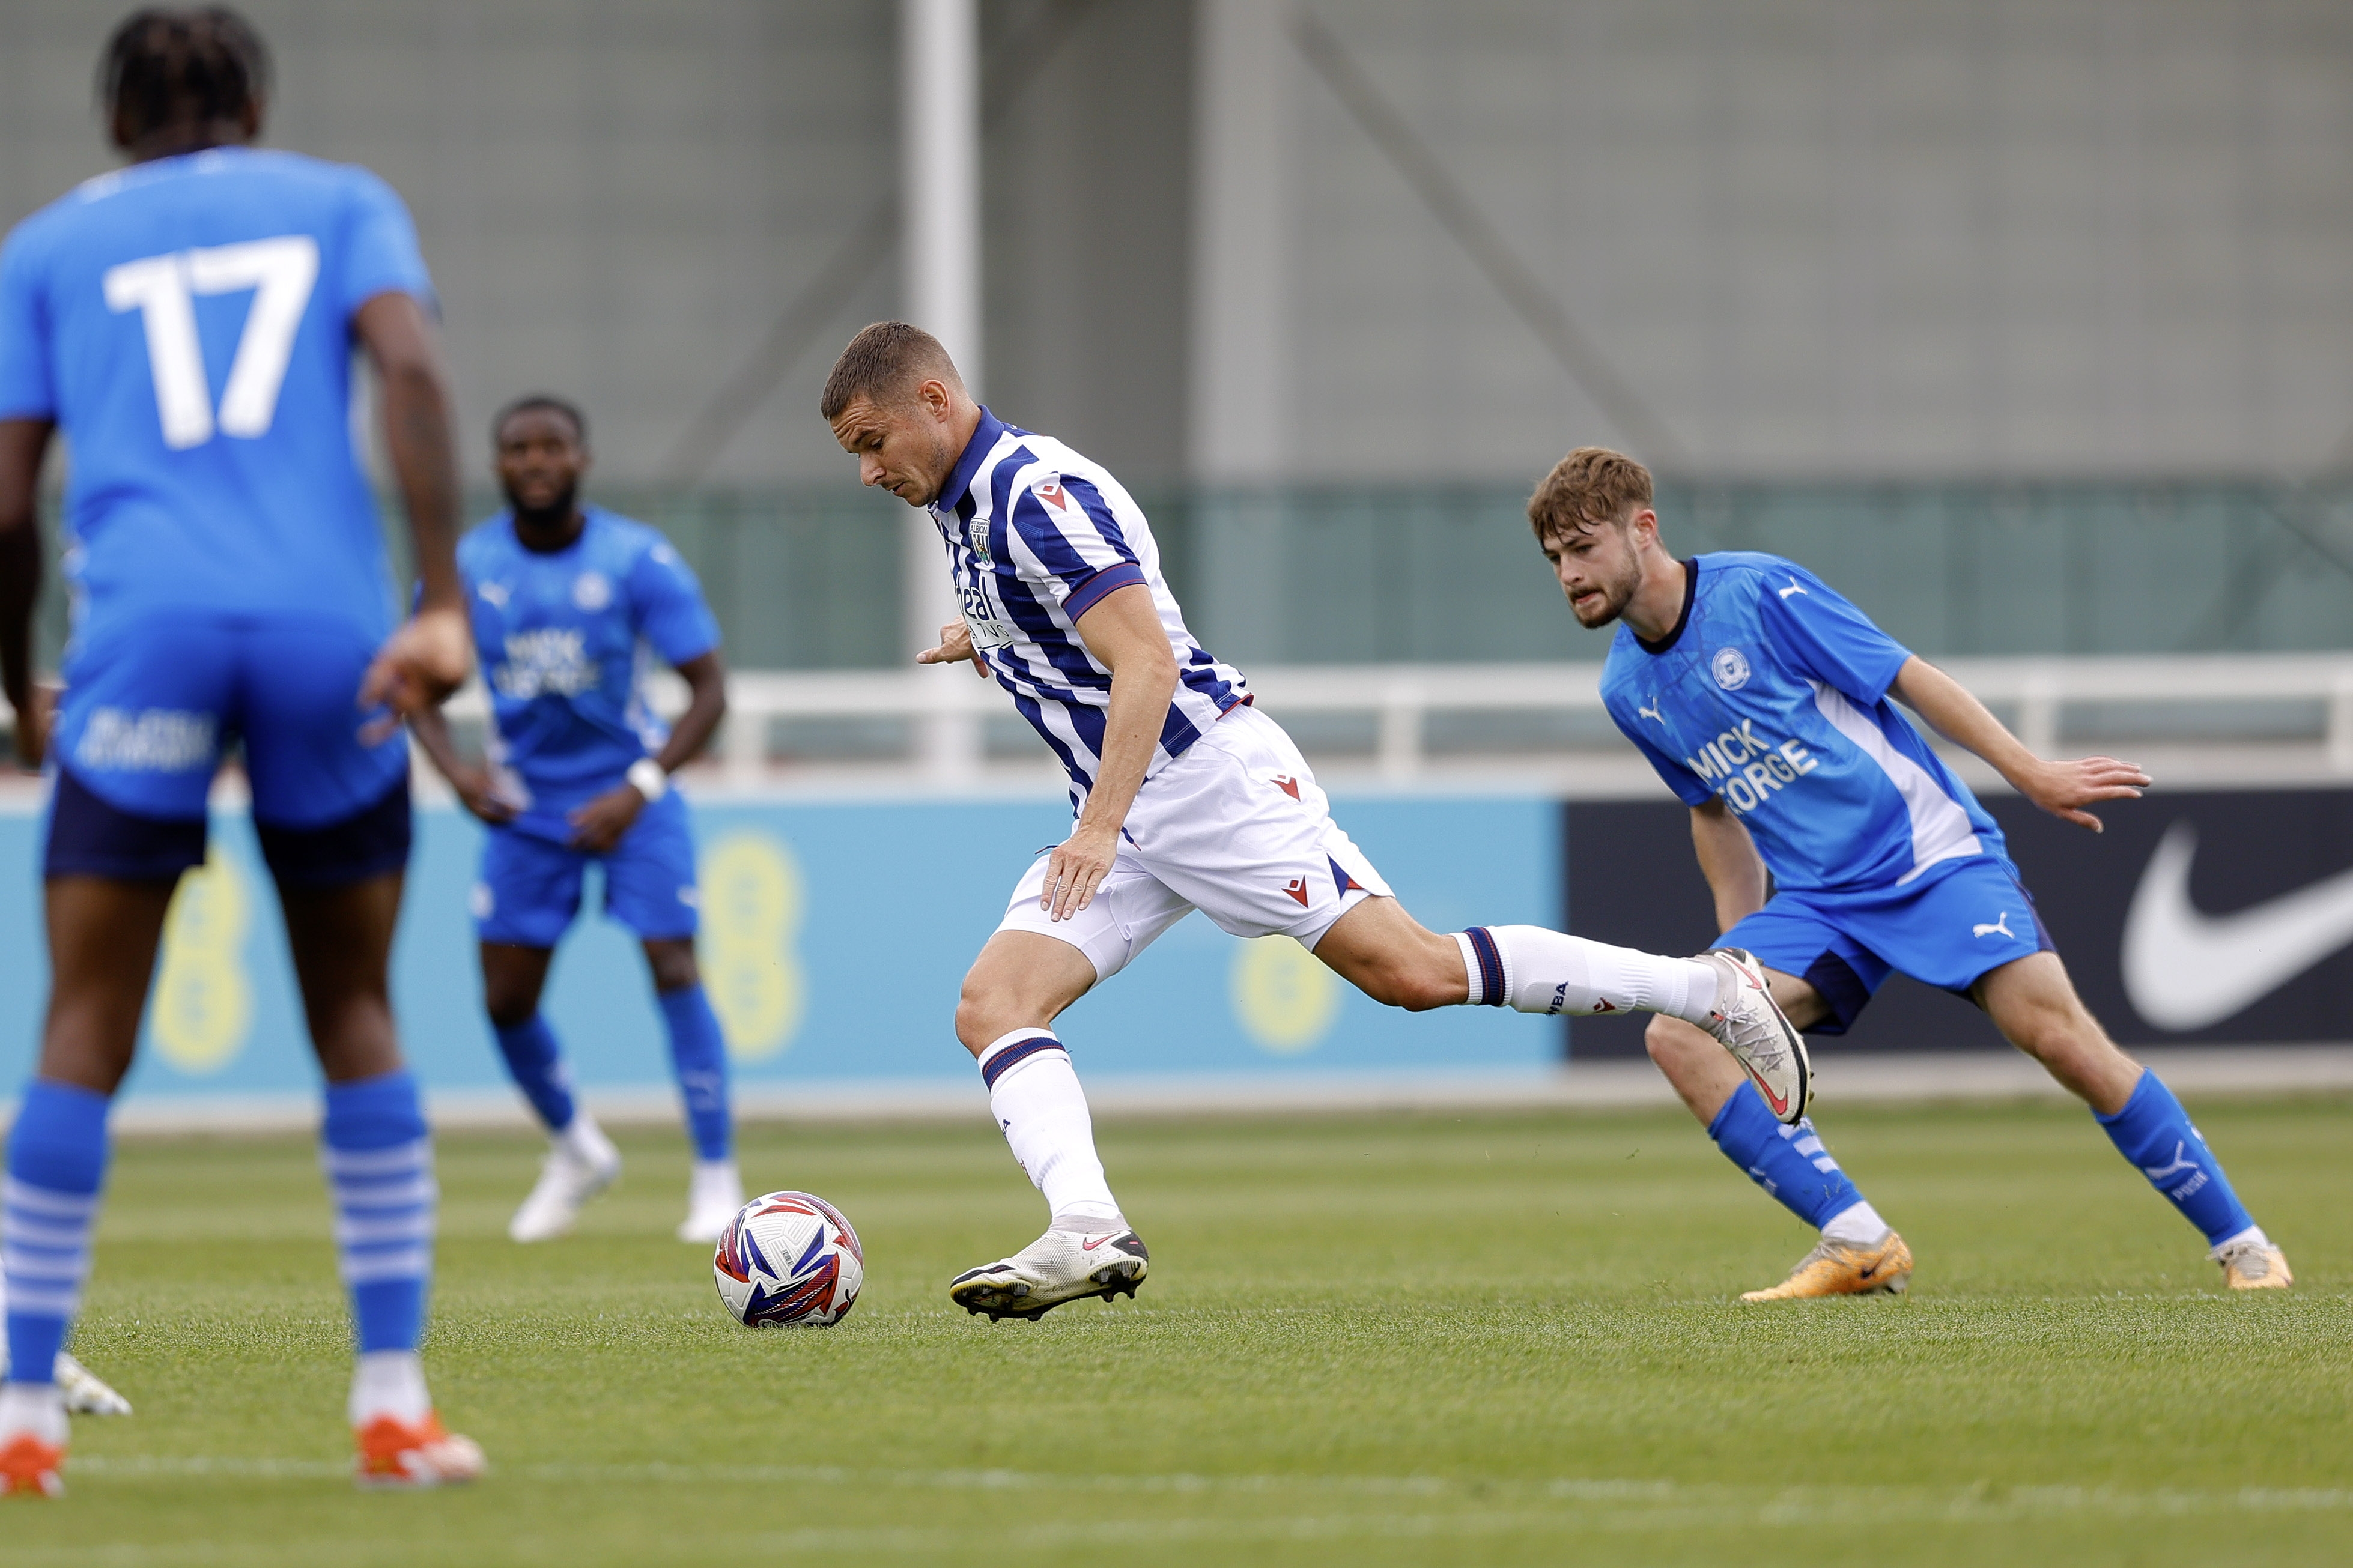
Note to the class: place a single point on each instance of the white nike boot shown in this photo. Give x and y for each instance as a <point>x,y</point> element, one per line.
<point>714,1195</point>
<point>581,1163</point>
<point>1059,1265</point>
<point>1749,1024</point>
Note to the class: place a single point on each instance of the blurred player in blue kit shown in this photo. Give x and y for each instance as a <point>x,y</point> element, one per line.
<point>566,600</point>
<point>188,324</point>
<point>1767,703</point>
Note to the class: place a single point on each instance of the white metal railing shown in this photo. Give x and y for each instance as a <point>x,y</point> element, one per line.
<point>948,707</point>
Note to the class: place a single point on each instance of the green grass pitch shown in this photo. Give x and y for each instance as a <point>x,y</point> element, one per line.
<point>1406,1339</point>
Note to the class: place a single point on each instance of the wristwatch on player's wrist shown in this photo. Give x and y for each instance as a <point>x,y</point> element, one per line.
<point>647,777</point>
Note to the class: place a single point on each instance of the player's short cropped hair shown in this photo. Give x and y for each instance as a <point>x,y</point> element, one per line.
<point>182,65</point>
<point>1591,485</point>
<point>531,401</point>
<point>883,363</point>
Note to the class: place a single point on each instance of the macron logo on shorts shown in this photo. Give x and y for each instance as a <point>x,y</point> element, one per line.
<point>150,741</point>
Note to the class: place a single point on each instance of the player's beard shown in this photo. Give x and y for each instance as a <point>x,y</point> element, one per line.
<point>1617,593</point>
<point>550,518</point>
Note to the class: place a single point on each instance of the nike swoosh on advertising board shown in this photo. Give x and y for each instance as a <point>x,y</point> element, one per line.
<point>2185,969</point>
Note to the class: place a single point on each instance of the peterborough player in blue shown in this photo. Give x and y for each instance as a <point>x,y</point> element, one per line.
<point>1768,703</point>
<point>566,603</point>
<point>187,323</point>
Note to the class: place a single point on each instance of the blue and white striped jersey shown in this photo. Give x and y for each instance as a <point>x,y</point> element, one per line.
<point>1037,536</point>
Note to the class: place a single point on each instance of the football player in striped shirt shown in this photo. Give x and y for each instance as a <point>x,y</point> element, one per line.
<point>1185,796</point>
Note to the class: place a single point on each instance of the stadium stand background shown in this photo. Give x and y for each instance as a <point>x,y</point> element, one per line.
<point>1965,299</point>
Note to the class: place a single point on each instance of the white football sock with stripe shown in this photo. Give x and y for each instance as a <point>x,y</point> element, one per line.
<point>1533,970</point>
<point>1034,1093</point>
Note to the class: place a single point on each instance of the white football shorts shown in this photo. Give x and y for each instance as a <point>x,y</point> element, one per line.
<point>1235,827</point>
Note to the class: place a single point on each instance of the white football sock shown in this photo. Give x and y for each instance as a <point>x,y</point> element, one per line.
<point>38,1408</point>
<point>1035,1096</point>
<point>389,1383</point>
<point>1552,972</point>
<point>1859,1224</point>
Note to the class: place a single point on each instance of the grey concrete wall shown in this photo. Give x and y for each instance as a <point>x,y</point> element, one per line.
<point>1819,236</point>
<point>616,197</point>
<point>1087,227</point>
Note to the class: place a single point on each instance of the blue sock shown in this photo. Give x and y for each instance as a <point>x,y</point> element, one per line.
<point>57,1162</point>
<point>536,1064</point>
<point>698,1053</point>
<point>379,1158</point>
<point>2154,1132</point>
<point>1789,1163</point>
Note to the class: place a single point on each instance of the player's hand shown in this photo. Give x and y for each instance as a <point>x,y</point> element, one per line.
<point>480,796</point>
<point>33,726</point>
<point>1076,869</point>
<point>2064,789</point>
<point>418,667</point>
<point>597,826</point>
<point>956,647</point>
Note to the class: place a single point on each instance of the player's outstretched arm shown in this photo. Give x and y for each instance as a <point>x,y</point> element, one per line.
<point>23,444</point>
<point>2062,789</point>
<point>425,660</point>
<point>1124,633</point>
<point>1728,859</point>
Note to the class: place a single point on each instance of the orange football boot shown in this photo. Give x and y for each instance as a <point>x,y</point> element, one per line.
<point>2254,1265</point>
<point>28,1467</point>
<point>394,1454</point>
<point>1845,1268</point>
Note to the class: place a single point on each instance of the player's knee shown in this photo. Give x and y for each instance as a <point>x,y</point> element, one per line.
<point>1411,984</point>
<point>980,1016</point>
<point>1662,1041</point>
<point>509,1009</point>
<point>674,967</point>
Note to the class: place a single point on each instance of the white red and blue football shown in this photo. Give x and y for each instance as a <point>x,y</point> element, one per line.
<point>789,1260</point>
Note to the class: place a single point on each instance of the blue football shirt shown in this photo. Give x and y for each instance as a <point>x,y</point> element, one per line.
<point>187,323</point>
<point>1771,695</point>
<point>563,639</point>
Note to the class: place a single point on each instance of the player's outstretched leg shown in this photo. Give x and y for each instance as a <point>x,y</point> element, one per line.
<point>379,1160</point>
<point>2034,1005</point>
<point>57,1166</point>
<point>1393,959</point>
<point>1089,1249</point>
<point>698,1055</point>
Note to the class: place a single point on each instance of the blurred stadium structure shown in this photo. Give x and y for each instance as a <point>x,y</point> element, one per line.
<point>2028,323</point>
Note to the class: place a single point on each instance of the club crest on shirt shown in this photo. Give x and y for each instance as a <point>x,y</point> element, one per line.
<point>591,591</point>
<point>979,533</point>
<point>1730,667</point>
<point>1051,492</point>
<point>494,593</point>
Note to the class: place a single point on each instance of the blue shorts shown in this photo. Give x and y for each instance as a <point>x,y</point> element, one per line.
<point>1955,924</point>
<point>148,714</point>
<point>530,890</point>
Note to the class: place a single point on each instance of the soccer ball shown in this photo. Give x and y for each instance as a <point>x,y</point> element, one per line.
<point>788,1259</point>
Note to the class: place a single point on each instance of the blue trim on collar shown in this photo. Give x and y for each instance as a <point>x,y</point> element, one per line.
<point>960,478</point>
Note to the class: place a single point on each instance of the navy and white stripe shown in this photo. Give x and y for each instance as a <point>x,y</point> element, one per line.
<point>385,1201</point>
<point>1008,1054</point>
<point>1037,536</point>
<point>45,1247</point>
